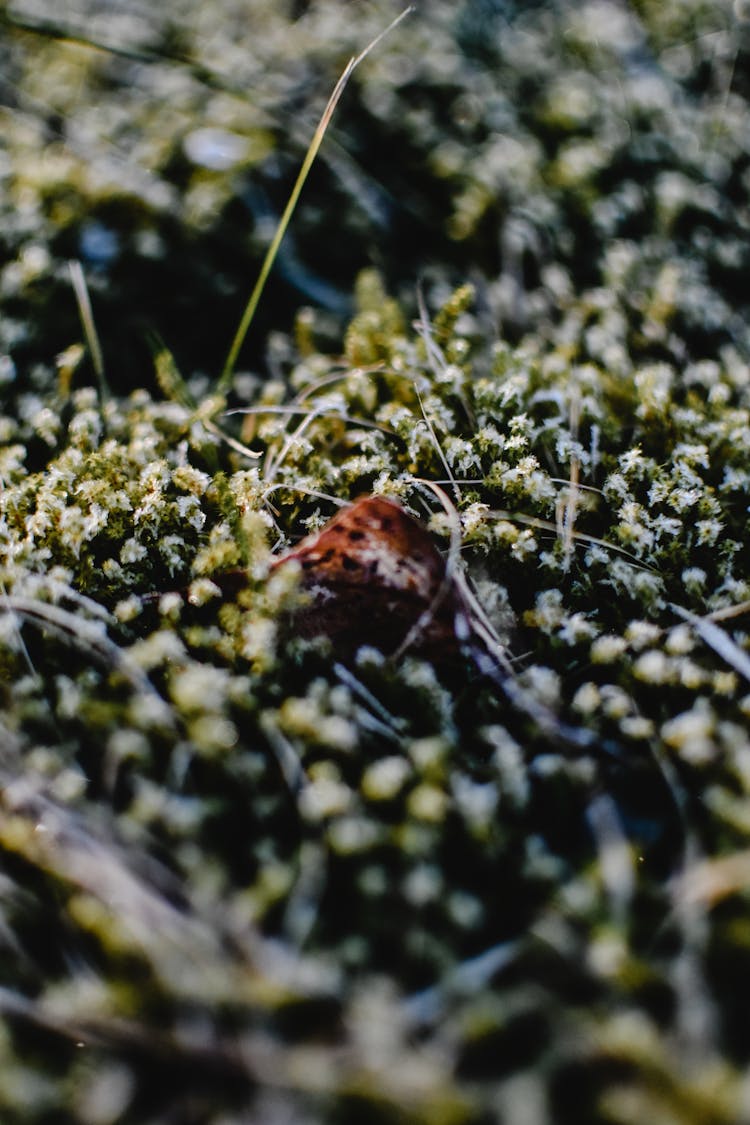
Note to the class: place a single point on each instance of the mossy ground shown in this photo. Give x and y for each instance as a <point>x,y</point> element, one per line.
<point>241,881</point>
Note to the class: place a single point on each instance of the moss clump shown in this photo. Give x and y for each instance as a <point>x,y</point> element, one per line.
<point>378,822</point>
<point>240,878</point>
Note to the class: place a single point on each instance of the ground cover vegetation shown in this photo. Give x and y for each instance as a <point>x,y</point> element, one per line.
<point>241,878</point>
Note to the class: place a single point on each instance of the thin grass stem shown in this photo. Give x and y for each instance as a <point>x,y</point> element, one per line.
<point>86,315</point>
<point>252,304</point>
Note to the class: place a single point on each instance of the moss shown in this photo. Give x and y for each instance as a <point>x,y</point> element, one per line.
<point>238,876</point>
<point>397,772</point>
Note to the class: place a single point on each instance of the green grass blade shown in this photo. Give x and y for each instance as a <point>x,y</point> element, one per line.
<point>312,152</point>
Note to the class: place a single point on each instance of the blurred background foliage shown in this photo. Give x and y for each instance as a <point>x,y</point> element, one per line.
<point>589,156</point>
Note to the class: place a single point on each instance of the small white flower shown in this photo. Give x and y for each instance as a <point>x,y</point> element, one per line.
<point>680,640</point>
<point>525,545</point>
<point>162,647</point>
<point>428,803</point>
<point>423,884</point>
<point>384,779</point>
<point>692,733</point>
<point>653,667</point>
<point>202,590</point>
<point>694,579</point>
<point>200,687</point>
<point>337,733</point>
<point>132,552</point>
<point>170,549</point>
<point>476,801</point>
<point>324,797</point>
<point>632,460</point>
<point>615,702</point>
<point>709,531</point>
<point>587,698</point>
<point>189,511</point>
<point>348,835</point>
<point>637,727</point>
<point>128,608</point>
<point>642,633</point>
<point>575,629</point>
<point>94,521</point>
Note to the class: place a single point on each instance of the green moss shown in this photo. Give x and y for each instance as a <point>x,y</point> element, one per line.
<point>238,877</point>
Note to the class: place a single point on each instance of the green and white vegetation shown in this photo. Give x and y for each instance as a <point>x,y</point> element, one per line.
<point>239,880</point>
